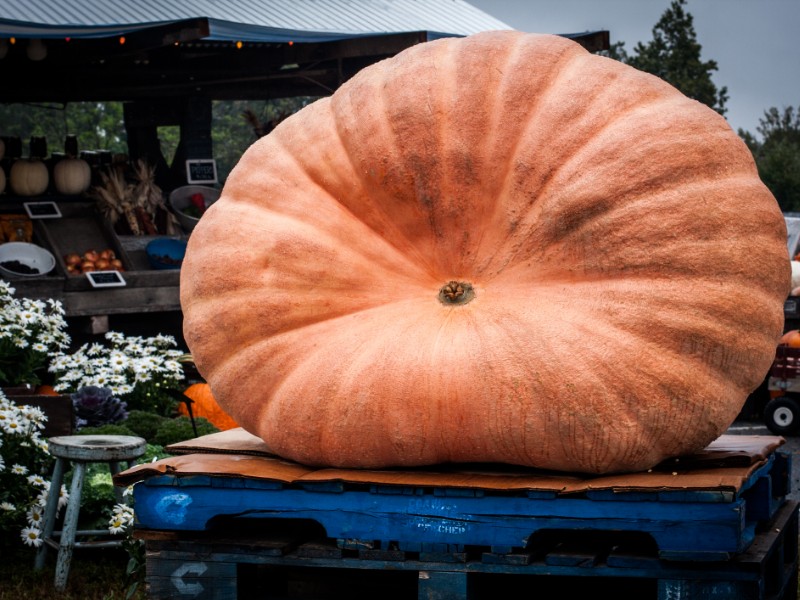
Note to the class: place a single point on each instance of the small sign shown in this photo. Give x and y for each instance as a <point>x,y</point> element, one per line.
<point>42,210</point>
<point>103,279</point>
<point>201,170</point>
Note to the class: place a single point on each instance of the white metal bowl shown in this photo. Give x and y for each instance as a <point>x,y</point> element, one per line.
<point>179,199</point>
<point>32,256</point>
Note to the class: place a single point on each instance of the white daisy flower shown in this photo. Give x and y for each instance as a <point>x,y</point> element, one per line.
<point>32,536</point>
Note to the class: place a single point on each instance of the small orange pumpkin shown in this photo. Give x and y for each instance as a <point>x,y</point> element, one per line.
<point>46,390</point>
<point>205,405</point>
<point>791,338</point>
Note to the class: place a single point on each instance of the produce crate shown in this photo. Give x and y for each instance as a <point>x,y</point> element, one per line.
<point>222,511</point>
<point>80,228</point>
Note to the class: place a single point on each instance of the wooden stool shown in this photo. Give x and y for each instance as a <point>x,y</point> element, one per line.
<point>80,450</point>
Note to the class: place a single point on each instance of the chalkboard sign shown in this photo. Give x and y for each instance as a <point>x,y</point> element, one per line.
<point>201,170</point>
<point>42,210</point>
<point>104,279</point>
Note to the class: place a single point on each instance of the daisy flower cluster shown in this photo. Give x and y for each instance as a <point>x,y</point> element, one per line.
<point>121,519</point>
<point>138,370</point>
<point>24,457</point>
<point>30,331</point>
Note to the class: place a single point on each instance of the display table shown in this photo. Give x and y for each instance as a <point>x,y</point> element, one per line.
<point>223,508</point>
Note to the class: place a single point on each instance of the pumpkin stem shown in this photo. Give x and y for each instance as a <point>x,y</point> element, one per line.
<point>456,292</point>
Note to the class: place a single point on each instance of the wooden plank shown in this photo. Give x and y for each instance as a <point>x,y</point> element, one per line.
<point>59,411</point>
<point>201,578</point>
<point>443,585</point>
<point>319,549</point>
<point>504,523</point>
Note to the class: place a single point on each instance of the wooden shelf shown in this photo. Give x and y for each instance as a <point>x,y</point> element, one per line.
<point>81,228</point>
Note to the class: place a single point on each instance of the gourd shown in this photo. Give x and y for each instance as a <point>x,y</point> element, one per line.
<point>72,175</point>
<point>791,338</point>
<point>206,406</point>
<point>29,176</point>
<point>500,248</point>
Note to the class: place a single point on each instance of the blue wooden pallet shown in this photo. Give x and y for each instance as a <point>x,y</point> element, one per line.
<point>696,525</point>
<point>291,562</point>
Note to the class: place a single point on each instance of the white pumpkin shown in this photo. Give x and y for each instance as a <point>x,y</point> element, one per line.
<point>29,177</point>
<point>72,176</point>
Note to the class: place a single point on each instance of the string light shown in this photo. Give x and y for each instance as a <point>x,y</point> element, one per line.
<point>239,45</point>
<point>121,40</point>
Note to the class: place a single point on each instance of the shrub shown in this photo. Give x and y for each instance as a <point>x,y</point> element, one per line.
<point>172,431</point>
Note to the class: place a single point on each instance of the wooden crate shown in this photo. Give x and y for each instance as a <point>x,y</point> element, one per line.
<point>80,228</point>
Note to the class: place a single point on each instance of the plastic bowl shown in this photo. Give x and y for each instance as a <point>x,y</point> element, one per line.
<point>30,260</point>
<point>166,253</point>
<point>180,200</point>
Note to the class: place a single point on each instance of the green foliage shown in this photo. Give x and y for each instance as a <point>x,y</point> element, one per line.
<point>674,55</point>
<point>172,431</point>
<point>107,429</point>
<point>98,125</point>
<point>777,154</point>
<point>232,132</point>
<point>97,496</point>
<point>95,574</point>
<point>143,423</point>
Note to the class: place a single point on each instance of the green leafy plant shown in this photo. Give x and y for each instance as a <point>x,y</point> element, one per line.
<point>179,429</point>
<point>144,424</point>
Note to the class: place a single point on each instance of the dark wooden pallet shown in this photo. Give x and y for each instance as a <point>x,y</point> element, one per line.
<point>280,559</point>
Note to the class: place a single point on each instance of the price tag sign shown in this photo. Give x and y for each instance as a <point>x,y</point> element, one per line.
<point>104,279</point>
<point>201,170</point>
<point>42,210</point>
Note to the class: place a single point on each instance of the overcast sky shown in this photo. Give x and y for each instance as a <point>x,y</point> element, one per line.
<point>756,43</point>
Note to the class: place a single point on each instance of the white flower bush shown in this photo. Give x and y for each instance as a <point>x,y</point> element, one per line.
<point>136,369</point>
<point>30,331</point>
<point>24,463</point>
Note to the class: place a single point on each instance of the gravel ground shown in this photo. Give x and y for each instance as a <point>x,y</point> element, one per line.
<point>792,446</point>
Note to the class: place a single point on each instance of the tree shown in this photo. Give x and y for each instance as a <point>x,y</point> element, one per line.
<point>777,155</point>
<point>99,125</point>
<point>674,56</point>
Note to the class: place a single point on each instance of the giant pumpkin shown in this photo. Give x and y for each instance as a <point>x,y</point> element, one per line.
<point>500,248</point>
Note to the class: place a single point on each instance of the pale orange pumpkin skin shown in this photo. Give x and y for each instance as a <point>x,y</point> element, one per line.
<point>629,267</point>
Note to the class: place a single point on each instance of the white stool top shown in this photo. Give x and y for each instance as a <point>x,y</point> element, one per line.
<point>97,448</point>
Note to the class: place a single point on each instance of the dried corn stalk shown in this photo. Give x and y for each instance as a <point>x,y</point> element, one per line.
<point>150,199</point>
<point>113,197</point>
